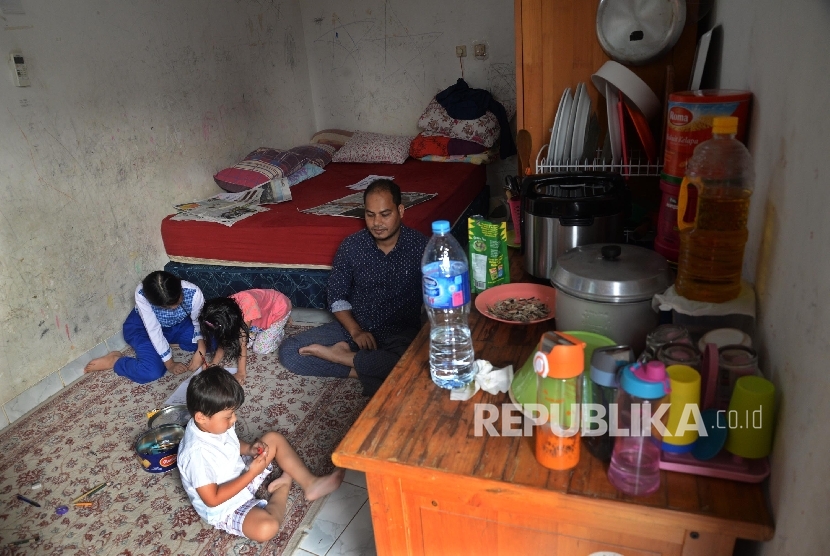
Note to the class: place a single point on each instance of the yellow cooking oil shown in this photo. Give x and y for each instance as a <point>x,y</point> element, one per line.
<point>712,246</point>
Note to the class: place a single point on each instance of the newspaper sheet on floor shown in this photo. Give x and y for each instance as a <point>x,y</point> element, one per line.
<point>365,182</point>
<point>230,208</point>
<point>352,205</point>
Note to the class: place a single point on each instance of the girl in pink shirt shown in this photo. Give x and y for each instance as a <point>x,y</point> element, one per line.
<point>251,319</point>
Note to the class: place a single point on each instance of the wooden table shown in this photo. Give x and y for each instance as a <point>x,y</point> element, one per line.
<point>437,488</point>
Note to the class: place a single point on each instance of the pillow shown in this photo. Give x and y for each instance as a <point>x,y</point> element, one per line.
<point>333,137</point>
<point>427,143</point>
<point>261,166</point>
<point>484,130</point>
<point>374,147</point>
<point>316,153</point>
<point>306,172</point>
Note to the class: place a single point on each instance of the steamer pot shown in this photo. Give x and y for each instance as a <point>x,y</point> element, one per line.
<point>607,289</point>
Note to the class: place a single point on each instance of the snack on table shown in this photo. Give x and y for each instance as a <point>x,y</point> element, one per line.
<point>519,309</point>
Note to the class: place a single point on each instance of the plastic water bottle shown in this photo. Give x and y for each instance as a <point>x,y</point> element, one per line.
<point>446,282</point>
<point>635,460</point>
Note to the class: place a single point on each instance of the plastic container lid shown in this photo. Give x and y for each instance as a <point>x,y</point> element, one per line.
<point>440,227</point>
<point>559,356</point>
<point>606,361</point>
<point>612,273</point>
<point>725,337</point>
<point>649,382</point>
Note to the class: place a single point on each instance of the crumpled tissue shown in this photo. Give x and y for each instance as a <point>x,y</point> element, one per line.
<point>486,378</point>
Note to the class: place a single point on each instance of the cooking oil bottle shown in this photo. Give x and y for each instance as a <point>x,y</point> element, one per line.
<point>712,245</point>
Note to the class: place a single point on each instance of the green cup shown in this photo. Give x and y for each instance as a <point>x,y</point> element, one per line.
<point>751,417</point>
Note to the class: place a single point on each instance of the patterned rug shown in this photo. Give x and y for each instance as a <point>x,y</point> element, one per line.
<point>85,436</point>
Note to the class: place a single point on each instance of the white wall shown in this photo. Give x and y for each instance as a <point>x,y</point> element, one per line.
<point>133,106</point>
<point>375,64</point>
<point>779,51</point>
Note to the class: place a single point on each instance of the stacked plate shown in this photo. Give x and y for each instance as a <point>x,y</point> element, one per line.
<point>575,129</point>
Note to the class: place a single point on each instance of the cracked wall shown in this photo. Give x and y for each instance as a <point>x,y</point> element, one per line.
<point>132,108</point>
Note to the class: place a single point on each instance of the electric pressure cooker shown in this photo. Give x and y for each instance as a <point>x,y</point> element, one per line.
<point>565,210</point>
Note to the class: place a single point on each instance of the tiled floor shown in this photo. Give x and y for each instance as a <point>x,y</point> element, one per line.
<point>344,524</point>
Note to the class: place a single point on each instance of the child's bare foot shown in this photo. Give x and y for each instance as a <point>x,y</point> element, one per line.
<point>325,485</point>
<point>103,363</point>
<point>283,480</point>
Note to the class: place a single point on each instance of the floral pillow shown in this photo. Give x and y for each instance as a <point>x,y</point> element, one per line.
<point>261,166</point>
<point>374,147</point>
<point>484,130</point>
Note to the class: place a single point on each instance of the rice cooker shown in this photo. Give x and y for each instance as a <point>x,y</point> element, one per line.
<point>607,289</point>
<point>562,211</point>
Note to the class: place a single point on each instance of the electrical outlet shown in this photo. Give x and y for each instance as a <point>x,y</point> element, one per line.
<point>480,51</point>
<point>461,51</point>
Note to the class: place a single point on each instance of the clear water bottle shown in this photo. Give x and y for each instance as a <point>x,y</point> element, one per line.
<point>635,460</point>
<point>446,282</point>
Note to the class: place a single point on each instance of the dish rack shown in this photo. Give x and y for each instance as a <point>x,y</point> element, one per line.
<point>637,165</point>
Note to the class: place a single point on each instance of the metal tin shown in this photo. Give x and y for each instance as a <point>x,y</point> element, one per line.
<point>157,449</point>
<point>689,122</point>
<point>172,414</point>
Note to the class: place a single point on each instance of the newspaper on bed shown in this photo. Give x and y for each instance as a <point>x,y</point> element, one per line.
<point>365,182</point>
<point>230,208</point>
<point>352,205</point>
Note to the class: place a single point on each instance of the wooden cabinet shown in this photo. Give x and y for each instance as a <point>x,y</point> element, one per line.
<point>557,47</point>
<point>436,487</point>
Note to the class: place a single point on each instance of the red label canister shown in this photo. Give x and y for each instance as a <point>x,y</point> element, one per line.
<point>689,122</point>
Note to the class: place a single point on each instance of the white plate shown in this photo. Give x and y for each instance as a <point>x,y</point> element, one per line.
<point>567,131</point>
<point>554,130</point>
<point>628,83</point>
<point>562,131</point>
<point>583,113</point>
<point>614,133</point>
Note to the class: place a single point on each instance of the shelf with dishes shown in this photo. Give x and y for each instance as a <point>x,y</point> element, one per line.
<point>629,146</point>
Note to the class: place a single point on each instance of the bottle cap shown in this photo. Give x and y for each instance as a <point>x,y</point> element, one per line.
<point>725,125</point>
<point>440,227</point>
<point>649,382</point>
<point>559,356</point>
<point>606,361</point>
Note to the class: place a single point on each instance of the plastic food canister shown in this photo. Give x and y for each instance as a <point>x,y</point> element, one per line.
<point>607,289</point>
<point>689,122</point>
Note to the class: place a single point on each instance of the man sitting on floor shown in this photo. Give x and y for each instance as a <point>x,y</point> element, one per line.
<point>374,292</point>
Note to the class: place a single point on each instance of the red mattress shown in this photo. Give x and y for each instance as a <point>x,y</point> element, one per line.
<point>285,236</point>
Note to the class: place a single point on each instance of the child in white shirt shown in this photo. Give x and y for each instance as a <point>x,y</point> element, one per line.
<point>220,473</point>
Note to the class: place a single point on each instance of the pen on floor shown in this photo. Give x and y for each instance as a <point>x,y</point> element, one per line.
<point>82,504</point>
<point>24,541</point>
<point>92,491</point>
<point>24,499</point>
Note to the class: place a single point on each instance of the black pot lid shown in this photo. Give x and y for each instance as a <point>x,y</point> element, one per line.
<point>612,273</point>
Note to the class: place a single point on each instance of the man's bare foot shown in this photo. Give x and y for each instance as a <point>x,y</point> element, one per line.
<point>103,363</point>
<point>283,480</point>
<point>325,485</point>
<point>338,353</point>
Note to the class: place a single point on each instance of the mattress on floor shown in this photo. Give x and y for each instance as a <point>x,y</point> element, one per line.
<point>285,237</point>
